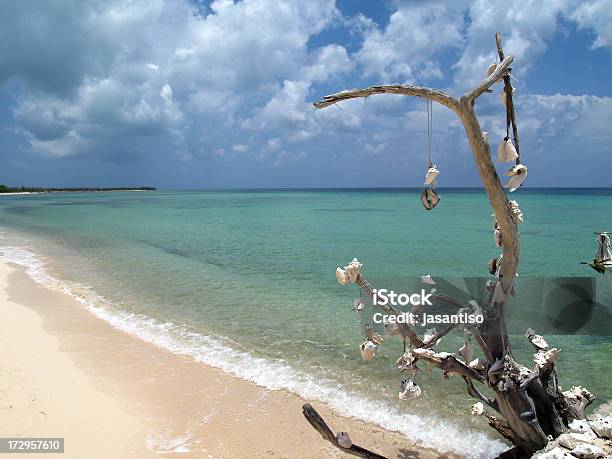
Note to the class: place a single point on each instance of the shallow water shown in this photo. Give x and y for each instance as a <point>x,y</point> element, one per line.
<point>244,280</point>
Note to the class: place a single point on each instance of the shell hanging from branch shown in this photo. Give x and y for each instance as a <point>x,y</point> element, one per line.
<point>430,176</point>
<point>409,389</point>
<point>497,237</point>
<point>349,273</point>
<point>477,409</point>
<point>517,175</point>
<point>368,349</point>
<point>429,198</point>
<point>358,304</point>
<point>506,152</point>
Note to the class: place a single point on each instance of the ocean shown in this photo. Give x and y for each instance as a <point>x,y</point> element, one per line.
<point>245,281</point>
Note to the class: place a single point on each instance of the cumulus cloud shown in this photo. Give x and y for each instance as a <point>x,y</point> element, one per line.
<point>235,80</point>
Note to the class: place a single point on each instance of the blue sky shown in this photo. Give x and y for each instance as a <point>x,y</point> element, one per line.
<point>181,94</point>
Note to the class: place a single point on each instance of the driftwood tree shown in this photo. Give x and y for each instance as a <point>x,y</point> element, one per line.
<point>525,405</point>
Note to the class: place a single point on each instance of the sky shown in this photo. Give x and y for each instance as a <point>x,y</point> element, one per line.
<point>201,94</point>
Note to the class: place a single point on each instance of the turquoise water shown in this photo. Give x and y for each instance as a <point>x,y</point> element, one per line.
<point>245,280</point>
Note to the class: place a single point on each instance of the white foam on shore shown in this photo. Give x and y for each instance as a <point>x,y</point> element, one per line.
<point>433,432</point>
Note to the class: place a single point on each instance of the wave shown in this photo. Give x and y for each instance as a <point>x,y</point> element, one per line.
<point>216,351</point>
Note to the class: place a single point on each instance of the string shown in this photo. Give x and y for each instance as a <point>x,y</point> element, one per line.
<point>429,128</point>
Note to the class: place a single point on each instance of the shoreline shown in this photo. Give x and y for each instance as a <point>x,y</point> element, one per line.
<point>192,409</point>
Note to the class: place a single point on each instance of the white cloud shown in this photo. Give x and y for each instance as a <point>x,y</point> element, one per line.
<point>596,15</point>
<point>415,33</point>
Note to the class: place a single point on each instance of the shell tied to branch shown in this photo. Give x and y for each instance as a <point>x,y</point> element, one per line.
<point>349,273</point>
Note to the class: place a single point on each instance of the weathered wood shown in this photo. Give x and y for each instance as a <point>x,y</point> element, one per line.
<point>320,426</point>
<point>404,90</point>
<point>531,405</point>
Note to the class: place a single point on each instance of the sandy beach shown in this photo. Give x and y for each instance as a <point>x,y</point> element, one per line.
<point>66,373</point>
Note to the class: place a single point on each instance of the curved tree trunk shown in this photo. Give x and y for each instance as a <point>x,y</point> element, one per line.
<point>529,402</point>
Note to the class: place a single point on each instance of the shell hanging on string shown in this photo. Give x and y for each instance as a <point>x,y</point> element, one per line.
<point>344,440</point>
<point>477,409</point>
<point>517,175</point>
<point>409,389</point>
<point>506,151</point>
<point>358,304</point>
<point>429,198</point>
<point>342,276</point>
<point>497,237</point>
<point>353,269</point>
<point>367,348</point>
<point>430,176</point>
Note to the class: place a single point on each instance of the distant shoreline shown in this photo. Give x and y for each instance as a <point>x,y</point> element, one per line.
<point>4,190</point>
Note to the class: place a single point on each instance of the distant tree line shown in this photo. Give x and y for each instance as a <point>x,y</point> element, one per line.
<point>29,189</point>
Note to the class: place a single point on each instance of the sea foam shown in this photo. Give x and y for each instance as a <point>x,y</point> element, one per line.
<point>442,435</point>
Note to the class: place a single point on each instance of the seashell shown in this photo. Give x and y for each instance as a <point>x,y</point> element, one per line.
<point>506,151</point>
<point>537,340</point>
<point>477,409</point>
<point>368,348</point>
<point>406,361</point>
<point>517,175</point>
<point>478,364</point>
<point>516,211</point>
<point>428,280</point>
<point>342,276</point>
<point>429,198</point>
<point>353,269</point>
<point>430,176</point>
<point>497,237</point>
<point>491,69</point>
<point>344,440</point>
<point>429,334</point>
<point>409,389</point>
<point>358,305</point>
<point>492,265</point>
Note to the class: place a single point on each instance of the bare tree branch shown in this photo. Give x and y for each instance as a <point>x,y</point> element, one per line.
<point>471,389</point>
<point>320,426</point>
<point>449,363</point>
<point>500,72</point>
<point>405,90</point>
